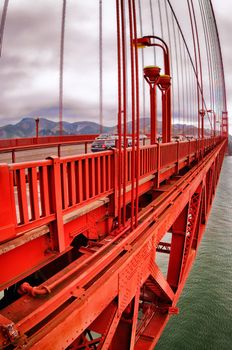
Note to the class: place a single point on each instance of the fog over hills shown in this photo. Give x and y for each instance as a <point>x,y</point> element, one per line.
<point>26,128</point>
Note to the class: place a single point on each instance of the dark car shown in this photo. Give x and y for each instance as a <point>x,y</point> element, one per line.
<point>102,145</point>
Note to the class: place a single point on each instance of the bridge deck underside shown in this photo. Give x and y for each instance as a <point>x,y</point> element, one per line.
<point>99,285</point>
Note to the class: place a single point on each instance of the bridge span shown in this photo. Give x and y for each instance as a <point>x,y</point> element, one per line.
<point>95,248</point>
<point>78,270</point>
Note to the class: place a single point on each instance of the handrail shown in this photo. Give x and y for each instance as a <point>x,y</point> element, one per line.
<point>39,192</point>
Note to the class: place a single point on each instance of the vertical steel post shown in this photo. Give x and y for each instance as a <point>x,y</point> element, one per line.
<point>164,85</point>
<point>153,113</point>
<point>7,211</point>
<point>37,128</point>
<point>152,75</point>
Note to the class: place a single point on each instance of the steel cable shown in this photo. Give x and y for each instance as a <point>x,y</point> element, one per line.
<point>142,63</point>
<point>153,28</point>
<point>100,69</point>
<point>61,72</point>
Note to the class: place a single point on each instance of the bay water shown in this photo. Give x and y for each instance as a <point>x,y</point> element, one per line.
<point>205,318</point>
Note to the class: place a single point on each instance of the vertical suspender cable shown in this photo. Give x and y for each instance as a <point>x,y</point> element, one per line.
<point>186,87</point>
<point>161,22</point>
<point>100,69</point>
<point>182,81</point>
<point>142,62</point>
<point>200,67</point>
<point>177,68</point>
<point>196,68</point>
<point>2,24</point>
<point>169,34</point>
<point>207,52</point>
<point>61,67</point>
<point>132,113</point>
<point>137,114</point>
<point>153,28</point>
<point>191,98</point>
<point>118,154</point>
<point>212,51</point>
<point>203,18</point>
<point>214,57</point>
<point>220,57</point>
<point>170,53</point>
<point>124,77</point>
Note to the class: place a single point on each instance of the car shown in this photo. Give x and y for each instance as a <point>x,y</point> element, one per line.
<point>142,137</point>
<point>178,138</point>
<point>103,137</point>
<point>102,145</point>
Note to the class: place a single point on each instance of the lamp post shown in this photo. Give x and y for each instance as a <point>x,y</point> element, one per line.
<point>202,114</point>
<point>37,127</point>
<point>152,40</point>
<point>152,75</point>
<point>164,85</point>
<point>214,122</point>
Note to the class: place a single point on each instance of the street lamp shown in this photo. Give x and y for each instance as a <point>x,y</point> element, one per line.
<point>214,121</point>
<point>164,85</point>
<point>37,127</point>
<point>152,40</point>
<point>202,114</point>
<point>152,75</point>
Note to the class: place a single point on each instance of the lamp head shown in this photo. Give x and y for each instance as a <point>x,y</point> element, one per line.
<point>141,42</point>
<point>164,82</point>
<point>152,74</point>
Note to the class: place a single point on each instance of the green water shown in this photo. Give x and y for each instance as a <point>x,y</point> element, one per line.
<point>205,319</point>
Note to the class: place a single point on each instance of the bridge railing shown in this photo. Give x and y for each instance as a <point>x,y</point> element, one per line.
<point>42,140</point>
<point>27,144</point>
<point>37,193</point>
<point>148,160</point>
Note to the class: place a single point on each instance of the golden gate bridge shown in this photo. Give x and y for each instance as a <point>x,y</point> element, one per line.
<point>81,236</point>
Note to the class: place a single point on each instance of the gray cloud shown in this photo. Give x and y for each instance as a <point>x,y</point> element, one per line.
<point>29,68</point>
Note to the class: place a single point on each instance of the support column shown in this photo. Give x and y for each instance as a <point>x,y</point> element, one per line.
<point>164,85</point>
<point>177,248</point>
<point>152,75</point>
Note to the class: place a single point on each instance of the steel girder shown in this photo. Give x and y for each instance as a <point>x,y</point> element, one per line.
<point>116,296</point>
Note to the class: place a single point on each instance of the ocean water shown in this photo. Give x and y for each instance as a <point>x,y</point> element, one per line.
<point>205,318</point>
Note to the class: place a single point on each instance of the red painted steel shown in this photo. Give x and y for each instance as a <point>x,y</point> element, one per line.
<point>115,259</point>
<point>80,236</point>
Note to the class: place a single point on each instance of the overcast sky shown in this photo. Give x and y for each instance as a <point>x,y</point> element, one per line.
<point>30,59</point>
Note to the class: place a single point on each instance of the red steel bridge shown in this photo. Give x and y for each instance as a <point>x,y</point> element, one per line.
<point>95,248</point>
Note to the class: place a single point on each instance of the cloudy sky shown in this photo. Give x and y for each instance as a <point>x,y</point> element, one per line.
<point>29,66</point>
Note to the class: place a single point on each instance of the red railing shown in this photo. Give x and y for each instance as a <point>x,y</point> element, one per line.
<point>30,141</point>
<point>27,144</point>
<point>37,193</point>
<point>41,186</point>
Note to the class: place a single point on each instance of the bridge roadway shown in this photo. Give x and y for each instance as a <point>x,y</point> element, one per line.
<point>100,285</point>
<point>37,148</point>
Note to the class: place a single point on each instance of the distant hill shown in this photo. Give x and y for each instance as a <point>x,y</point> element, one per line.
<point>26,128</point>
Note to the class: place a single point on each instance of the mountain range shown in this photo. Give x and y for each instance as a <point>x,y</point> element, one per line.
<point>26,128</point>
